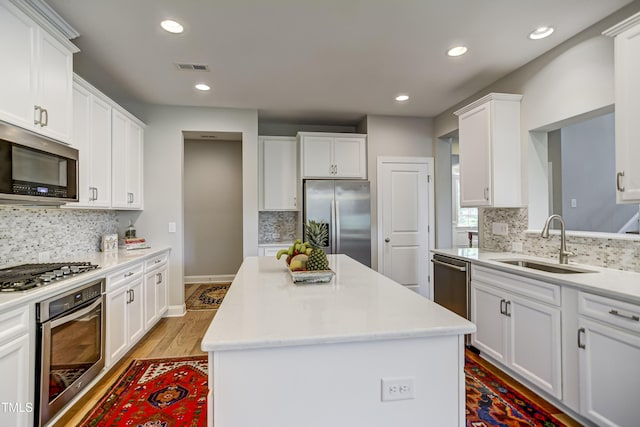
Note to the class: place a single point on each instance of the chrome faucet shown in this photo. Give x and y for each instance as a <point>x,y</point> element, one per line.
<point>564,253</point>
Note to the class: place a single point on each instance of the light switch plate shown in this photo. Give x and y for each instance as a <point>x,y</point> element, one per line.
<point>500,228</point>
<point>172,227</point>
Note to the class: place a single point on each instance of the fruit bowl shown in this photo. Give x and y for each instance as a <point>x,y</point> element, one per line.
<point>317,276</point>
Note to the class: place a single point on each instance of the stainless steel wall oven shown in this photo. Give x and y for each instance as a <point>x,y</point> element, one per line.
<point>70,346</point>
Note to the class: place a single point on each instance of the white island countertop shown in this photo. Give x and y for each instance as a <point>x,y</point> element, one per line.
<point>264,308</point>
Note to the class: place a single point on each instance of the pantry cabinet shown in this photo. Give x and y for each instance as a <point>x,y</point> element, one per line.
<point>609,350</point>
<point>627,102</point>
<point>519,325</point>
<point>125,311</point>
<point>490,164</point>
<point>16,361</point>
<point>325,155</point>
<point>92,138</point>
<point>278,173</point>
<point>36,77</point>
<point>127,161</point>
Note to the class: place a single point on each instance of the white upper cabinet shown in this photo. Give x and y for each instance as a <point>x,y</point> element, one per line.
<point>278,173</point>
<point>325,155</point>
<point>36,77</point>
<point>127,162</point>
<point>92,138</point>
<point>627,100</point>
<point>489,135</point>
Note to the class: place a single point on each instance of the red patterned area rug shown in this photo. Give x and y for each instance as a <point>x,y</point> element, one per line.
<point>207,296</point>
<point>155,393</point>
<point>490,402</point>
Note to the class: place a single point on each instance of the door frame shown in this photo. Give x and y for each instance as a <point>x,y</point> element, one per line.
<point>430,162</point>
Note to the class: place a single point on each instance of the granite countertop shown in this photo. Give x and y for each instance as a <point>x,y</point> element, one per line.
<point>619,284</point>
<point>264,308</point>
<point>108,262</point>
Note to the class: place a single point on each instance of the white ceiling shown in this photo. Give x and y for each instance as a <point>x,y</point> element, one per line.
<point>315,60</point>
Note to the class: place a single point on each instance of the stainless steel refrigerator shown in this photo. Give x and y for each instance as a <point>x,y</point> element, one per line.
<point>344,206</point>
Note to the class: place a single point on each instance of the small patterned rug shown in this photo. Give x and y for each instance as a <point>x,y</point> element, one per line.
<point>207,296</point>
<point>169,392</point>
<point>490,402</point>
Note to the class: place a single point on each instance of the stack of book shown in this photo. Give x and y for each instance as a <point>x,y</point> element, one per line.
<point>130,243</point>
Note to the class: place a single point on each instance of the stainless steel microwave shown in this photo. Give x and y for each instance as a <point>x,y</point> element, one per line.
<point>36,170</point>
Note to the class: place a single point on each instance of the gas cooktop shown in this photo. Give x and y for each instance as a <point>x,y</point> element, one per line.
<point>28,276</point>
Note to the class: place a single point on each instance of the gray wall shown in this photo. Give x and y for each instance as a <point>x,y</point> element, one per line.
<point>397,137</point>
<point>588,168</point>
<point>555,158</point>
<point>212,207</point>
<point>444,202</point>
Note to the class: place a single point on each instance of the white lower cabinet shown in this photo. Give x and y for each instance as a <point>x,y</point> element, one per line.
<point>16,368</point>
<point>125,311</point>
<point>609,360</point>
<point>155,289</point>
<point>515,330</point>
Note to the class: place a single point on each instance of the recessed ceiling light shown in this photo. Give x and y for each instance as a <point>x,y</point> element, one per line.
<point>402,97</point>
<point>540,33</point>
<point>202,86</point>
<point>172,26</point>
<point>457,51</point>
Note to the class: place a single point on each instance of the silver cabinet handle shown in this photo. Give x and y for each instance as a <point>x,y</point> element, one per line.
<point>338,226</point>
<point>333,225</point>
<point>295,202</point>
<point>129,296</point>
<point>330,169</point>
<point>336,166</point>
<point>619,176</point>
<point>133,295</point>
<point>507,311</point>
<point>502,304</point>
<point>451,266</point>
<point>45,113</point>
<point>158,261</point>
<point>158,278</point>
<point>37,118</point>
<point>625,316</point>
<point>131,273</point>
<point>486,193</point>
<point>581,344</point>
<point>96,196</point>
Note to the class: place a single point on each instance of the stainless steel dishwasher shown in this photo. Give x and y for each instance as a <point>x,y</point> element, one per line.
<point>451,284</point>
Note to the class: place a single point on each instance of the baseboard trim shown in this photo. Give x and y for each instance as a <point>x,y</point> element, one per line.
<point>176,311</point>
<point>216,278</point>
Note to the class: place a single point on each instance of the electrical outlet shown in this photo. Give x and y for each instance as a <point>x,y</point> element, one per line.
<point>516,247</point>
<point>500,228</point>
<point>397,388</point>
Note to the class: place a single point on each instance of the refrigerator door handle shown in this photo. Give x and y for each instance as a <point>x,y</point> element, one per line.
<point>337,239</point>
<point>332,234</point>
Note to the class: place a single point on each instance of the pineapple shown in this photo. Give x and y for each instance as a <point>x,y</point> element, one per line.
<point>317,234</point>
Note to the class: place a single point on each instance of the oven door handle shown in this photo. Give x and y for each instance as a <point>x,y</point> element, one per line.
<point>76,314</point>
<point>451,266</point>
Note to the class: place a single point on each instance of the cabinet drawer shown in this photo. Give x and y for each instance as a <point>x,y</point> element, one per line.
<point>541,291</point>
<point>608,310</point>
<point>14,323</point>
<point>156,261</point>
<point>123,276</point>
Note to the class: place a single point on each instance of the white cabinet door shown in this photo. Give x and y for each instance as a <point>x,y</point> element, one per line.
<point>627,99</point>
<point>15,373</point>
<point>116,314</point>
<point>134,163</point>
<point>535,345</point>
<point>17,75</point>
<point>350,157</point>
<point>609,374</point>
<point>135,311</point>
<point>487,305</point>
<point>126,146</point>
<point>161,290</point>
<point>150,313</point>
<point>475,157</point>
<point>54,88</point>
<point>100,174</point>
<point>279,175</point>
<point>317,156</point>
<point>81,140</point>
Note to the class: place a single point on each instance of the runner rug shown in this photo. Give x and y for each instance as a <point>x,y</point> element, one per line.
<point>207,296</point>
<point>155,393</point>
<point>490,402</point>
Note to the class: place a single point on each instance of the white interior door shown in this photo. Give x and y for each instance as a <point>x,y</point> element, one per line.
<point>405,207</point>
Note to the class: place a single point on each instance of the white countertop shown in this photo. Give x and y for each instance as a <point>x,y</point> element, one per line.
<point>624,285</point>
<point>108,263</point>
<point>264,308</point>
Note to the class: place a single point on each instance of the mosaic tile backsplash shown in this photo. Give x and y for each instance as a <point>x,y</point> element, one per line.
<point>64,233</point>
<point>601,252</point>
<point>277,226</point>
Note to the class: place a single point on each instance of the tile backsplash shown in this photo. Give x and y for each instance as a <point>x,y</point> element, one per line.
<point>621,254</point>
<point>277,226</point>
<point>64,233</point>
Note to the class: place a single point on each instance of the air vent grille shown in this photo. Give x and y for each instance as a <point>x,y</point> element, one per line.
<point>193,67</point>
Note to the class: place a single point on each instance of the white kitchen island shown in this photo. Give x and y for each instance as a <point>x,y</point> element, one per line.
<point>289,355</point>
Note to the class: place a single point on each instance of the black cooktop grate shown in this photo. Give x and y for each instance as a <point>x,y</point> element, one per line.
<point>27,276</point>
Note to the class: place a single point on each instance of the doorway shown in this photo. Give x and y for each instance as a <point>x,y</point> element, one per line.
<point>213,216</point>
<point>405,219</point>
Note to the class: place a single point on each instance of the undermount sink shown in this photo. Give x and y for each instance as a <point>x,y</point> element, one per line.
<point>542,266</point>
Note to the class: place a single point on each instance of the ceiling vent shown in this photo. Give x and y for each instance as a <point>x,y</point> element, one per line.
<point>193,67</point>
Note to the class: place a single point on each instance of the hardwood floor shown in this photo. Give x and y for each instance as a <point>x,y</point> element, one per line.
<point>171,337</point>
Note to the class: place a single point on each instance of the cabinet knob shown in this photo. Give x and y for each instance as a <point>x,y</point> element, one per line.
<point>387,240</point>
